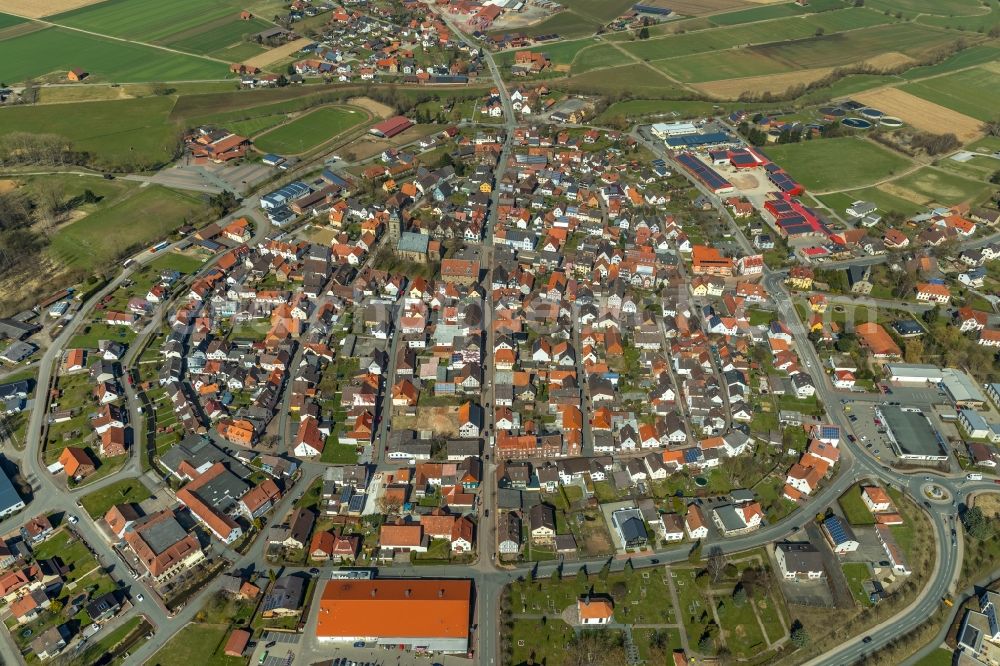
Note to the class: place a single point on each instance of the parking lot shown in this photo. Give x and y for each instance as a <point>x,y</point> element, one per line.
<point>281,648</point>
<point>870,434</point>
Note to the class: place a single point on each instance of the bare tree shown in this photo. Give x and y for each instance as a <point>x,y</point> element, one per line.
<point>716,563</point>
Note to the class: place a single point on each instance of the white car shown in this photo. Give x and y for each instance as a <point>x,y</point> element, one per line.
<point>73,520</point>
<point>139,597</point>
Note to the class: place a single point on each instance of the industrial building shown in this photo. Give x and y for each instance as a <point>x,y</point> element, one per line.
<point>432,615</point>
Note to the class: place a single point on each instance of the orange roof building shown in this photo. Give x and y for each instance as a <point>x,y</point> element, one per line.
<point>76,462</point>
<point>877,340</point>
<point>432,615</point>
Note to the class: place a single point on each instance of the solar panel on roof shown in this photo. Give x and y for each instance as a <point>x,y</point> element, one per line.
<point>836,529</point>
<point>357,503</point>
<point>830,432</point>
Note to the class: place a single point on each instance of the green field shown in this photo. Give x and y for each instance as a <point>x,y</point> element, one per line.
<point>599,57</point>
<point>847,86</point>
<point>855,510</point>
<point>57,50</point>
<point>848,19</point>
<point>829,50</point>
<point>126,491</point>
<point>127,133</point>
<point>637,79</point>
<point>979,23</point>
<point>7,20</point>
<point>886,202</point>
<point>857,573</point>
<point>560,53</point>
<point>974,55</point>
<point>953,91</point>
<point>565,24</point>
<point>201,644</point>
<point>820,164</point>
<point>581,17</point>
<point>775,11</point>
<point>937,7</point>
<point>309,130</point>
<point>764,13</point>
<point>940,187</point>
<point>146,20</point>
<point>716,39</point>
<point>150,214</point>
<point>218,36</point>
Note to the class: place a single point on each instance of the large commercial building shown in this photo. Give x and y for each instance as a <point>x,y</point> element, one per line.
<point>911,434</point>
<point>426,615</point>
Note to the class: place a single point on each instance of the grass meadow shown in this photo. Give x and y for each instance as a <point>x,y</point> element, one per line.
<point>57,50</point>
<point>955,91</point>
<point>125,132</point>
<point>100,238</point>
<point>821,164</point>
<point>309,130</point>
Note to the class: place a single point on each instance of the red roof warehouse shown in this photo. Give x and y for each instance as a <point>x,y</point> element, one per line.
<point>391,127</point>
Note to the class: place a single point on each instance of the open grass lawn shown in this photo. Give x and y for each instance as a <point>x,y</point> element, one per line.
<point>126,133</point>
<point>740,629</point>
<point>643,601</point>
<point>939,657</point>
<point>201,644</point>
<point>599,57</point>
<point>857,573</point>
<point>71,551</point>
<point>953,91</point>
<point>176,262</point>
<point>310,130</point>
<point>643,638</point>
<point>772,613</point>
<point>126,491</point>
<point>57,50</point>
<point>565,24</point>
<point>719,65</point>
<point>150,214</point>
<point>146,20</point>
<point>336,453</point>
<point>974,55</point>
<point>840,201</point>
<point>543,642</point>
<point>560,53</point>
<point>854,507</point>
<point>818,164</point>
<point>847,86</point>
<point>638,79</point>
<point>240,104</point>
<point>936,186</point>
<point>977,168</point>
<point>89,336</point>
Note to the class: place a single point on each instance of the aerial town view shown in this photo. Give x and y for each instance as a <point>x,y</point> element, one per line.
<point>499,332</point>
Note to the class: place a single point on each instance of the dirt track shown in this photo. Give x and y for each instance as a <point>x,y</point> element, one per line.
<point>921,114</point>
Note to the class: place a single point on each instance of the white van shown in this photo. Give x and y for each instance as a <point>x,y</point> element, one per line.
<point>974,476</point>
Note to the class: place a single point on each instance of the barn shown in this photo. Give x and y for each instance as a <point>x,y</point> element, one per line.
<point>391,127</point>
